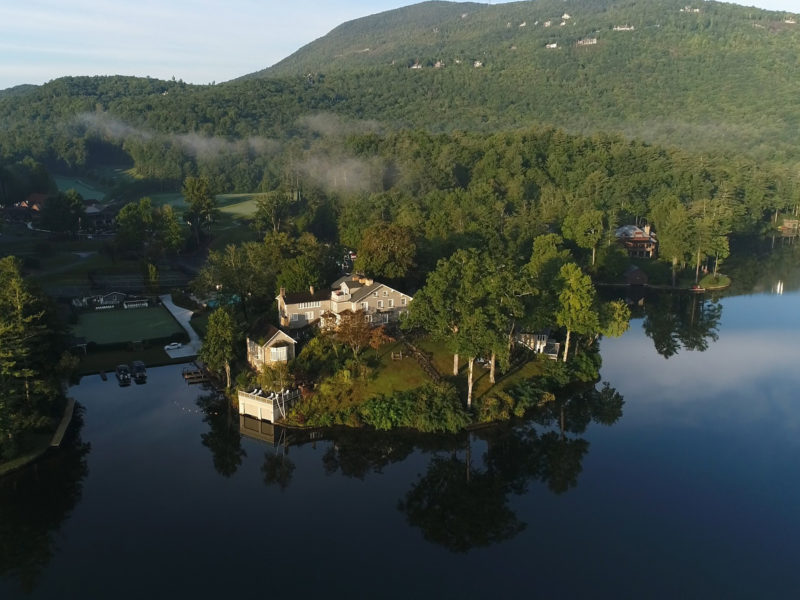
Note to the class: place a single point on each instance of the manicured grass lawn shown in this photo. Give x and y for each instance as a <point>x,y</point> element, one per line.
<point>238,205</point>
<point>443,361</point>
<point>394,375</point>
<point>90,190</point>
<point>114,326</point>
<point>711,282</point>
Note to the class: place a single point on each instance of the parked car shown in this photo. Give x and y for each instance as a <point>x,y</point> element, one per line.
<point>139,372</point>
<point>173,346</point>
<point>124,374</point>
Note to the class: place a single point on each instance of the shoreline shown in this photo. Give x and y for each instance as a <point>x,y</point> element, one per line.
<point>20,462</point>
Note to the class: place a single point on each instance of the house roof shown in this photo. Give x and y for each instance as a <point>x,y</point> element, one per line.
<point>264,333</point>
<point>298,297</point>
<point>632,232</point>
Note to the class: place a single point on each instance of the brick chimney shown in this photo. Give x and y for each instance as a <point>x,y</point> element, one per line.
<point>311,289</point>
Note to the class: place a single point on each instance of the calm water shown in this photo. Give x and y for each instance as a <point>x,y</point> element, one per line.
<point>692,492</point>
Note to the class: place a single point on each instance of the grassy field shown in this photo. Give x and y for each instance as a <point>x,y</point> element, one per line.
<point>90,190</point>
<point>116,326</point>
<point>241,206</point>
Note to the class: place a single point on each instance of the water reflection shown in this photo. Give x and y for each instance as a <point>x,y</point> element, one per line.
<point>33,505</point>
<point>223,437</point>
<point>676,321</point>
<point>462,500</point>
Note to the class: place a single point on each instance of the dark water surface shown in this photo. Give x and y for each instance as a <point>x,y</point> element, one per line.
<point>693,492</point>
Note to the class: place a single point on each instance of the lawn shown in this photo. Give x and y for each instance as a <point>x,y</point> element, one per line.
<point>242,206</point>
<point>394,375</point>
<point>88,189</point>
<point>118,326</point>
<point>236,205</point>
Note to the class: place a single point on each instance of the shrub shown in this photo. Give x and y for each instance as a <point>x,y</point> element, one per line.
<point>430,408</point>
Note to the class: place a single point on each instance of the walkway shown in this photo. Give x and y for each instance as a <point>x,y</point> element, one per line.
<point>183,316</point>
<point>65,421</point>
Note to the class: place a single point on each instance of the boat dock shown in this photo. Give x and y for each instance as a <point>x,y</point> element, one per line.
<point>192,375</point>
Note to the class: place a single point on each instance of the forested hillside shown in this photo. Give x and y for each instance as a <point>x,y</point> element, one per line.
<point>716,79</point>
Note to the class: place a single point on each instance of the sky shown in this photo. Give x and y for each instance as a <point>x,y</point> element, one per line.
<point>198,41</point>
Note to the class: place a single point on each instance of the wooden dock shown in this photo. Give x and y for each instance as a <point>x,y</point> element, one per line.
<point>195,375</point>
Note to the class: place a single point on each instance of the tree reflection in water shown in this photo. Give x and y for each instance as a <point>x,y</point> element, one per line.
<point>222,438</point>
<point>277,468</point>
<point>461,502</point>
<point>35,502</point>
<point>681,321</point>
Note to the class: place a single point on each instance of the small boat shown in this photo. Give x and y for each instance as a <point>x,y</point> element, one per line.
<point>123,374</point>
<point>139,372</point>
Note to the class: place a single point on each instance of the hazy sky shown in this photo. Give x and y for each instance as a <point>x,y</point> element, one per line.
<point>198,41</point>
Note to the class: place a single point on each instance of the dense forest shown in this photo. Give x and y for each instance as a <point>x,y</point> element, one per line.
<point>721,82</point>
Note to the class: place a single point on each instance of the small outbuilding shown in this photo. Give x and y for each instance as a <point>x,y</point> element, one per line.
<point>267,344</point>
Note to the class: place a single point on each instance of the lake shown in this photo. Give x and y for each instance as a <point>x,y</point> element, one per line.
<point>689,489</point>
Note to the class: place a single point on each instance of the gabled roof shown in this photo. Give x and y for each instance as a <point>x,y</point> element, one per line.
<point>264,334</point>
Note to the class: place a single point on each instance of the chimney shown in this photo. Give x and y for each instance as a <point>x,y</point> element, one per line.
<point>311,289</point>
<point>647,229</point>
<point>282,292</point>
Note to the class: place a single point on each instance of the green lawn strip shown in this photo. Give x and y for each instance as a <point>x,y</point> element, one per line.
<point>442,357</point>
<point>239,205</point>
<point>114,326</point>
<point>711,282</point>
<point>88,189</point>
<point>153,356</point>
<point>394,375</point>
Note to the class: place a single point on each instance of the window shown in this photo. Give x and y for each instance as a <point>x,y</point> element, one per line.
<point>403,301</point>
<point>364,306</point>
<point>369,318</point>
<point>278,354</point>
<point>375,294</point>
<point>380,303</point>
<point>385,317</point>
<point>391,302</point>
<point>385,293</point>
<point>309,305</point>
<point>310,315</point>
<point>294,317</point>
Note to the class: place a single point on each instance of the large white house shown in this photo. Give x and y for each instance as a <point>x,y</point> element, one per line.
<point>381,303</point>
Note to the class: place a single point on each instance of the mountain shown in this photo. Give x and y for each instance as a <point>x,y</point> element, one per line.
<point>704,76</point>
<point>711,78</point>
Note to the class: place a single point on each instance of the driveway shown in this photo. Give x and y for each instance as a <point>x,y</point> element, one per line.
<point>183,316</point>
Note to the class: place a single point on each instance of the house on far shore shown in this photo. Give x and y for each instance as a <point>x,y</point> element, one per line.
<point>266,345</point>
<point>640,243</point>
<point>378,301</point>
